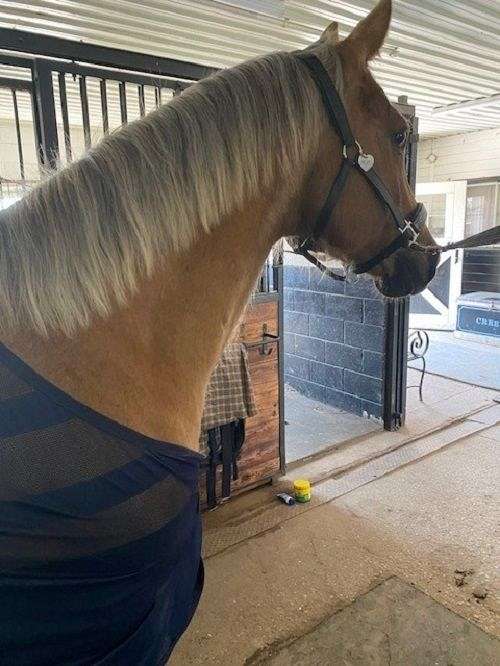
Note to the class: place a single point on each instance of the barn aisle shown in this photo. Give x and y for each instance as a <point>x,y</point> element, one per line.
<point>466,361</point>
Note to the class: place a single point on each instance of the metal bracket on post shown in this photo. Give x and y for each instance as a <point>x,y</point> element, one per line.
<point>45,113</point>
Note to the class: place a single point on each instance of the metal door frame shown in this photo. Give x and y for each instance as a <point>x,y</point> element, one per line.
<point>398,310</point>
<point>455,192</point>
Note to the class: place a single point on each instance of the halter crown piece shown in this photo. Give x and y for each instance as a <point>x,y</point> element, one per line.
<point>354,157</point>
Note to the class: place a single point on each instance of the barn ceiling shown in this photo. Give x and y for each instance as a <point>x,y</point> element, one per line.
<point>443,54</point>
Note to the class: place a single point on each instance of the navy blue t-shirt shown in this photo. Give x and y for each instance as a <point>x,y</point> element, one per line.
<point>100,532</point>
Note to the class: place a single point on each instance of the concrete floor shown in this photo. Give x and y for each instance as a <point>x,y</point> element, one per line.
<point>470,361</point>
<point>312,426</point>
<point>367,573</point>
<point>386,626</point>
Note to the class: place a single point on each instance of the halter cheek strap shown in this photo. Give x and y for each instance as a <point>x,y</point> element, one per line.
<point>354,158</point>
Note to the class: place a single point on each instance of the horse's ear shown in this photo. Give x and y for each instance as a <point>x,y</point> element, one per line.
<point>369,35</point>
<point>331,34</point>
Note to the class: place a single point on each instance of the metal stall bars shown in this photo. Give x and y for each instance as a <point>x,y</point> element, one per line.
<point>94,101</point>
<point>81,91</point>
<point>67,107</point>
<point>18,147</point>
<point>14,88</point>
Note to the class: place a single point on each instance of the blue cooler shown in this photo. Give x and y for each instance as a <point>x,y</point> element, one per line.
<point>479,313</point>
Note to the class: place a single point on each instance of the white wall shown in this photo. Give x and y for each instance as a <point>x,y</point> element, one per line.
<point>9,161</point>
<point>460,157</point>
<point>9,155</point>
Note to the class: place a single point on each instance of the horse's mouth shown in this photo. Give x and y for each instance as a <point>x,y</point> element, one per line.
<point>393,289</point>
<point>408,277</point>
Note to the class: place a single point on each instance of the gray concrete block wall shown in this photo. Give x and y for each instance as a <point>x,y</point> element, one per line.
<point>334,340</point>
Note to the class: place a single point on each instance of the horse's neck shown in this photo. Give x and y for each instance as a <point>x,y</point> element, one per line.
<point>147,365</point>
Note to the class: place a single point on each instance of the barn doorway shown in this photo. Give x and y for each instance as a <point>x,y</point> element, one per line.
<point>458,314</point>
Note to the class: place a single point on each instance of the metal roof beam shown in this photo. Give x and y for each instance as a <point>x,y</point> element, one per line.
<point>55,47</point>
<point>481,103</point>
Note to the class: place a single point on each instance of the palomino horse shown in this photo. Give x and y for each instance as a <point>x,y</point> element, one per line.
<point>121,278</point>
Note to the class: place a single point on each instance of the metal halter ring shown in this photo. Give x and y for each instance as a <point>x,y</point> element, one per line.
<point>358,146</point>
<point>409,227</point>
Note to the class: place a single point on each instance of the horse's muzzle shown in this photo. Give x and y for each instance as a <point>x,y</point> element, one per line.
<point>406,273</point>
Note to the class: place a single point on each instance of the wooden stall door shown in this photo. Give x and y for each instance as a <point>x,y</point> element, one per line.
<point>259,460</point>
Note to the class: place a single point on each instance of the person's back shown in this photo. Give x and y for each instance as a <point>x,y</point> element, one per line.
<point>95,521</point>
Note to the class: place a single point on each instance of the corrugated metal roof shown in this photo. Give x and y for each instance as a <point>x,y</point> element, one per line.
<point>438,53</point>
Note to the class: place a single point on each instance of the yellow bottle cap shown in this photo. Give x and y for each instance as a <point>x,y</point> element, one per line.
<point>302,485</point>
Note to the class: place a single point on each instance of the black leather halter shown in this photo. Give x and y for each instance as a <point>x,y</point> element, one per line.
<point>354,157</point>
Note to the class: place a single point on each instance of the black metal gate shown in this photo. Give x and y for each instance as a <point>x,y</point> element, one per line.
<point>65,96</point>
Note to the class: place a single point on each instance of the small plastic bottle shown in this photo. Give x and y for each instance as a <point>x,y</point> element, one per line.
<point>302,490</point>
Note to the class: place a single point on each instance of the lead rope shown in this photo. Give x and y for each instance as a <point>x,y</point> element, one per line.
<point>482,239</point>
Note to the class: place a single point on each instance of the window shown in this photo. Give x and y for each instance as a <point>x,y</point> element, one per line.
<point>483,207</point>
<point>436,210</point>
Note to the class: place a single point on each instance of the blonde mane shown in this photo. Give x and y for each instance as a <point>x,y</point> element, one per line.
<point>79,242</point>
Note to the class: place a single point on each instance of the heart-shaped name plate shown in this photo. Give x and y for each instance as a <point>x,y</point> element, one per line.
<point>365,161</point>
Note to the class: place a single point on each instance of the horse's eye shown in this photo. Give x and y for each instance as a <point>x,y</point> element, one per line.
<point>400,138</point>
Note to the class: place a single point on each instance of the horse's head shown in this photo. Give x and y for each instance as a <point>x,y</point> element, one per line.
<point>360,226</point>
